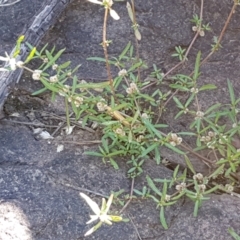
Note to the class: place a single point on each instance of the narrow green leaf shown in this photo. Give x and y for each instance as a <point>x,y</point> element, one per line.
<point>179,104</point>
<point>125,50</point>
<point>152,186</point>
<point>149,149</point>
<point>174,148</point>
<point>52,59</point>
<point>114,164</point>
<point>233,234</point>
<point>135,66</point>
<point>96,154</point>
<point>189,164</point>
<point>231,92</point>
<point>162,218</point>
<point>39,91</point>
<point>196,207</point>
<point>130,12</point>
<point>208,87</point>
<point>99,59</point>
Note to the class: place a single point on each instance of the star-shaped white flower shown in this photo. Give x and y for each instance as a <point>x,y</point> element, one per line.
<point>107,4</point>
<point>100,214</point>
<point>10,61</point>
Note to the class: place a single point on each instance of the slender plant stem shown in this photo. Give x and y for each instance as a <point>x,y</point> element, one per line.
<point>67,113</point>
<point>130,197</point>
<point>184,59</point>
<point>104,44</point>
<point>221,34</point>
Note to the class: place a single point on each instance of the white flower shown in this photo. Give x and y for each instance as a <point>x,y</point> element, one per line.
<point>100,214</point>
<point>145,116</point>
<point>199,115</point>
<point>36,74</point>
<point>53,79</point>
<point>69,129</point>
<point>174,139</point>
<point>107,4</point>
<point>10,62</point>
<point>54,66</point>
<point>122,72</point>
<point>78,101</point>
<point>194,90</point>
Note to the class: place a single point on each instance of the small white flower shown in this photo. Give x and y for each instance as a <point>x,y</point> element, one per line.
<point>122,72</point>
<point>140,138</point>
<point>211,134</point>
<point>202,187</point>
<point>69,129</point>
<point>180,187</point>
<point>194,90</point>
<point>198,177</point>
<point>9,61</point>
<point>107,4</point>
<point>167,198</point>
<point>100,214</point>
<point>53,79</point>
<point>194,28</point>
<point>145,116</point>
<point>173,143</point>
<point>174,139</point>
<point>129,91</point>
<point>211,144</point>
<point>202,33</point>
<point>78,101</point>
<point>120,132</point>
<point>101,106</point>
<point>83,82</point>
<point>62,92</point>
<point>54,66</point>
<point>20,64</point>
<point>229,188</point>
<point>199,115</point>
<point>36,74</point>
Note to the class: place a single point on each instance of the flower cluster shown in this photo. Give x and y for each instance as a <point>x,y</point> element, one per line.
<point>132,88</point>
<point>194,90</point>
<point>36,74</point>
<point>199,115</point>
<point>102,106</point>
<point>200,30</point>
<point>63,92</point>
<point>120,131</point>
<point>181,187</point>
<point>53,79</point>
<point>122,73</point>
<point>211,139</point>
<point>198,177</point>
<point>174,140</point>
<point>78,101</point>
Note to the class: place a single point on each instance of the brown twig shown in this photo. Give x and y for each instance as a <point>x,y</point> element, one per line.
<point>104,44</point>
<point>130,197</point>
